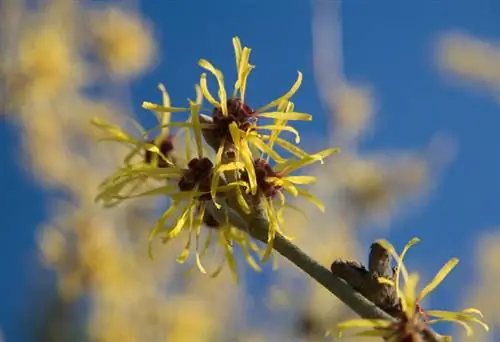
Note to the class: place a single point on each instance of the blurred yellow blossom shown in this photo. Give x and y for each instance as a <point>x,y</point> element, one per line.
<point>470,57</point>
<point>123,41</point>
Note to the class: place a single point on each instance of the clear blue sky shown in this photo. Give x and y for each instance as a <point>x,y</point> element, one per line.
<point>386,43</point>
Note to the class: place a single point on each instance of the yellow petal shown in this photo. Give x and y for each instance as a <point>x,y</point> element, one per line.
<point>195,119</point>
<point>163,109</point>
<point>409,298</point>
<point>301,179</point>
<point>293,165</point>
<point>115,131</point>
<point>185,251</point>
<point>289,147</point>
<point>246,155</point>
<point>400,267</point>
<point>165,119</point>
<point>220,79</point>
<point>450,265</point>
<point>311,198</point>
<point>472,311</point>
<point>273,224</point>
<point>248,257</point>
<point>286,116</point>
<point>181,221</point>
<point>285,97</point>
<point>362,323</point>
<point>228,251</point>
<point>206,92</point>
<point>460,316</point>
<point>260,145</point>
<point>198,233</point>
<point>235,134</point>
<point>237,51</point>
<point>280,128</point>
<point>159,225</point>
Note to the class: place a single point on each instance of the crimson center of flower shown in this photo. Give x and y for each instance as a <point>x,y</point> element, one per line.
<point>238,112</point>
<point>198,174</point>
<point>262,171</point>
<point>165,146</point>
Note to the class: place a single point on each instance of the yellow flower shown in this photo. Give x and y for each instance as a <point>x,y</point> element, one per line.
<point>235,122</point>
<point>122,41</point>
<point>413,319</point>
<point>188,186</point>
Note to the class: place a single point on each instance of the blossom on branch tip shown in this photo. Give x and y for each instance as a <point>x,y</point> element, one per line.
<point>246,178</point>
<point>412,320</point>
<point>235,121</point>
<point>188,187</point>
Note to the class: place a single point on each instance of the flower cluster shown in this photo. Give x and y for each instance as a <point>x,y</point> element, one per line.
<point>246,174</point>
<point>412,319</point>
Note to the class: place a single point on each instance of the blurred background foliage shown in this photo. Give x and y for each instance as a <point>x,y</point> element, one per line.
<point>65,61</point>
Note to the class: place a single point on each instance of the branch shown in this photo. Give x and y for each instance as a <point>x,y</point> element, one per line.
<point>257,225</point>
<point>258,229</point>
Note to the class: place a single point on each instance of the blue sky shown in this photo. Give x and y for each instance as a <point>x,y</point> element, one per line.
<point>387,44</point>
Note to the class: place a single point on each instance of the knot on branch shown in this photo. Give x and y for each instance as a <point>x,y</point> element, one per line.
<point>366,280</point>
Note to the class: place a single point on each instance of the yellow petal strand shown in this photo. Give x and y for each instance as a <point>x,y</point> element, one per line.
<point>159,225</point>
<point>219,269</point>
<point>409,298</point>
<point>468,330</point>
<point>199,95</point>
<point>248,257</point>
<point>235,134</point>
<point>362,323</point>
<point>295,208</point>
<point>198,234</point>
<point>296,116</point>
<point>472,311</point>
<point>220,79</point>
<point>301,179</point>
<point>187,147</point>
<point>245,69</point>
<point>185,251</point>
<point>195,119</point>
<point>206,92</point>
<point>280,128</point>
<point>115,131</point>
<point>292,189</point>
<point>261,146</point>
<point>181,221</point>
<point>232,185</point>
<point>165,119</point>
<point>271,214</point>
<point>163,190</point>
<point>293,165</point>
<point>285,106</point>
<point>136,125</point>
<point>128,158</point>
<point>214,186</point>
<point>242,202</point>
<point>237,51</point>
<point>460,316</point>
<point>228,251</point>
<point>400,267</point>
<point>290,147</point>
<point>383,280</point>
<point>163,109</point>
<point>311,198</point>
<point>285,97</point>
<point>207,242</point>
<point>450,265</point>
<point>246,155</point>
